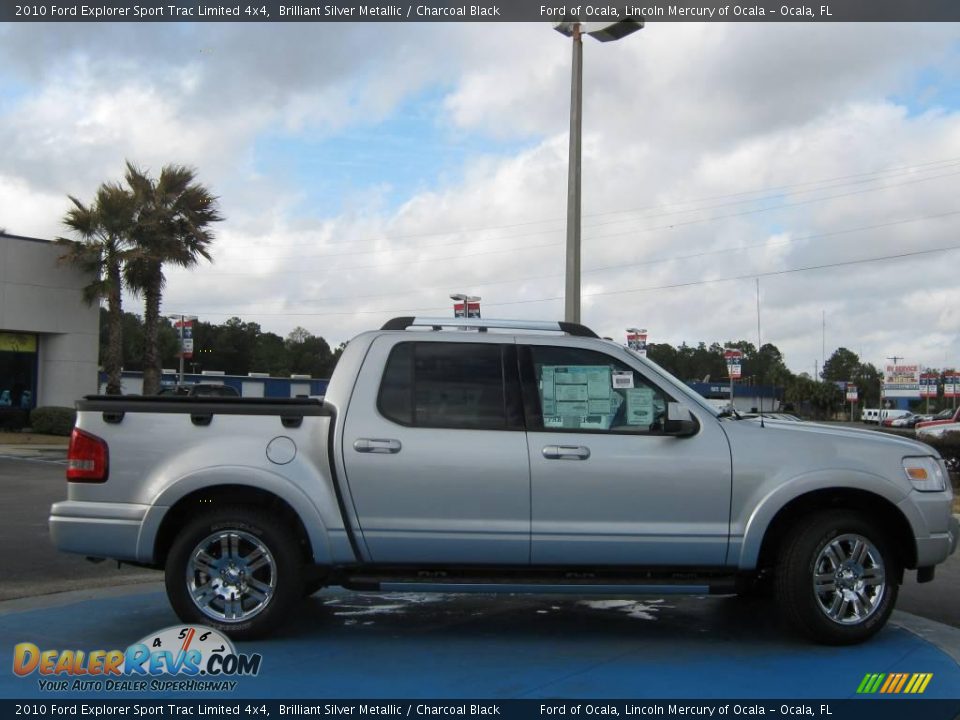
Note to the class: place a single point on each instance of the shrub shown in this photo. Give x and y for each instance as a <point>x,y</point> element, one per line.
<point>53,420</point>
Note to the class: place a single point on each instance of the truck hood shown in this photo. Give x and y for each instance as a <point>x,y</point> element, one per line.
<point>843,434</point>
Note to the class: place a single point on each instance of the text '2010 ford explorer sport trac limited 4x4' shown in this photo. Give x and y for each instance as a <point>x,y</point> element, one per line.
<point>533,458</point>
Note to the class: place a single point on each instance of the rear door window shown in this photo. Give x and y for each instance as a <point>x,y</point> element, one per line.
<point>451,385</point>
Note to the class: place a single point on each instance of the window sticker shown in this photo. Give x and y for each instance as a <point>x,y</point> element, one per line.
<point>577,396</point>
<point>622,379</point>
<point>639,406</point>
<point>569,393</point>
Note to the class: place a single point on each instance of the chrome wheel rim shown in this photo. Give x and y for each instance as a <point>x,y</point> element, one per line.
<point>231,576</point>
<point>849,579</point>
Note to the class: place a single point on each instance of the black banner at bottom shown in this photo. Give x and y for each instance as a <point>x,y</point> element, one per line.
<point>873,709</point>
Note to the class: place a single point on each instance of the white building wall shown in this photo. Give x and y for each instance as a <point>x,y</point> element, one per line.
<point>39,295</point>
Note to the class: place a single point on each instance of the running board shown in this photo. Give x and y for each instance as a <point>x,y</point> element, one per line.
<point>457,583</point>
<point>543,588</point>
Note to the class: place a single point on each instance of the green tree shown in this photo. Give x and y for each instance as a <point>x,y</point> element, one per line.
<point>171,226</point>
<point>308,354</point>
<point>842,366</point>
<point>103,251</point>
<point>867,378</point>
<point>769,367</point>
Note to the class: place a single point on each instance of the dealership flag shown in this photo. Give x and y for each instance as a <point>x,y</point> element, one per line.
<point>733,357</point>
<point>184,329</point>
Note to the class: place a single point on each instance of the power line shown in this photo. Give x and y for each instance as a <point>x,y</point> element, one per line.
<point>654,261</point>
<point>693,283</point>
<point>672,226</point>
<point>950,162</point>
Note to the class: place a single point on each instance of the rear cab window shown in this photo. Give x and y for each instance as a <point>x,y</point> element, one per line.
<point>455,385</point>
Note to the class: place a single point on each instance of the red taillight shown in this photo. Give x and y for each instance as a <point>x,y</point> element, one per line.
<point>88,459</point>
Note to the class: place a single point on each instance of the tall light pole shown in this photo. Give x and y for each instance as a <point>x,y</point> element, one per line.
<point>605,32</point>
<point>181,319</point>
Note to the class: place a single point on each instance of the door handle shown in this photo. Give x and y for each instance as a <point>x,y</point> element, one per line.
<point>376,445</point>
<point>566,452</point>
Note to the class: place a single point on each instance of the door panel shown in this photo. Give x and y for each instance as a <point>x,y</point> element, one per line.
<point>619,491</point>
<point>439,495</point>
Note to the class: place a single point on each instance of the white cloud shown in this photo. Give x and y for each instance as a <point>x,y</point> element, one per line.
<point>683,122</point>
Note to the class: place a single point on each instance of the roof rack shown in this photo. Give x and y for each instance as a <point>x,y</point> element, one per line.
<point>575,329</point>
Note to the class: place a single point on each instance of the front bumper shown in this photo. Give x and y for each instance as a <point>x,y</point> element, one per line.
<point>109,530</point>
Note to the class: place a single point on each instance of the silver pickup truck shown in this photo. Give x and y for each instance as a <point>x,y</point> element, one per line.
<point>517,457</point>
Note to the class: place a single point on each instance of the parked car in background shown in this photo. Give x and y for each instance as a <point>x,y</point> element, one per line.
<point>910,421</point>
<point>876,416</point>
<point>786,417</point>
<point>944,417</point>
<point>200,390</point>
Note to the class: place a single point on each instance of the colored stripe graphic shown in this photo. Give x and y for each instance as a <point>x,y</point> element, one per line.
<point>912,683</point>
<point>903,681</point>
<point>891,680</point>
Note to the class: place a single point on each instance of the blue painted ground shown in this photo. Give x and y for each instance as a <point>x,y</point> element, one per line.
<point>343,645</point>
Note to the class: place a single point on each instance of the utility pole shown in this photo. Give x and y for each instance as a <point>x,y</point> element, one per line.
<point>823,339</point>
<point>894,360</point>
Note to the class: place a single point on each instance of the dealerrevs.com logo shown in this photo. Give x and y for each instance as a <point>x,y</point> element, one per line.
<point>206,658</point>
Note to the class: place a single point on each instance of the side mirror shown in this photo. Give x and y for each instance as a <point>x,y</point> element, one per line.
<point>680,422</point>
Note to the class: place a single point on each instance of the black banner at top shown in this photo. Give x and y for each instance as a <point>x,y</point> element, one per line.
<point>136,11</point>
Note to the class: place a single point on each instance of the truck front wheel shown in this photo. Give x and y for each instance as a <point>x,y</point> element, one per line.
<point>235,569</point>
<point>837,578</point>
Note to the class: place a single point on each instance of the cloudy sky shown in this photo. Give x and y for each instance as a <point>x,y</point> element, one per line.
<point>370,170</point>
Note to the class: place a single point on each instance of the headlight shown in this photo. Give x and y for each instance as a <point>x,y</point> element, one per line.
<point>925,474</point>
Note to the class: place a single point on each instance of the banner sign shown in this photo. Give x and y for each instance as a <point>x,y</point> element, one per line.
<point>637,341</point>
<point>851,393</point>
<point>928,385</point>
<point>951,381</point>
<point>184,329</point>
<point>901,381</point>
<point>473,310</point>
<point>734,358</point>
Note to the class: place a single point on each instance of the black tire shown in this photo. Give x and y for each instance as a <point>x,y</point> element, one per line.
<point>279,578</point>
<point>805,552</point>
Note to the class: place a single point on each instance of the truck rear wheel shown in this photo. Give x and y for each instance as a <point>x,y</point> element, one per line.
<point>837,579</point>
<point>235,569</point>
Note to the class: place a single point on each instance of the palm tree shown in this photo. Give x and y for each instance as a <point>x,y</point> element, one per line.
<point>102,252</point>
<point>170,226</point>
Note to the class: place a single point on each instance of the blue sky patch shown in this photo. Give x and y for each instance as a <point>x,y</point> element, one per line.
<point>411,150</point>
<point>934,87</point>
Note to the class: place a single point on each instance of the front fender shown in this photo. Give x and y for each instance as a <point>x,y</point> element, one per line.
<point>767,502</point>
<point>228,475</point>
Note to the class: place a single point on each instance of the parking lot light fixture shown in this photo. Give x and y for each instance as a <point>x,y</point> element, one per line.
<point>604,32</point>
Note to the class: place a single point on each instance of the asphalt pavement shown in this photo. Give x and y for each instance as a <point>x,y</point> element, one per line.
<point>31,566</point>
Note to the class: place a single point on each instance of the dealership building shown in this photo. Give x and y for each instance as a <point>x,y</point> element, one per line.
<point>49,337</point>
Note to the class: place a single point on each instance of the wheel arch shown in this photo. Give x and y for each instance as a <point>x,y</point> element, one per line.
<point>885,513</point>
<point>165,518</point>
